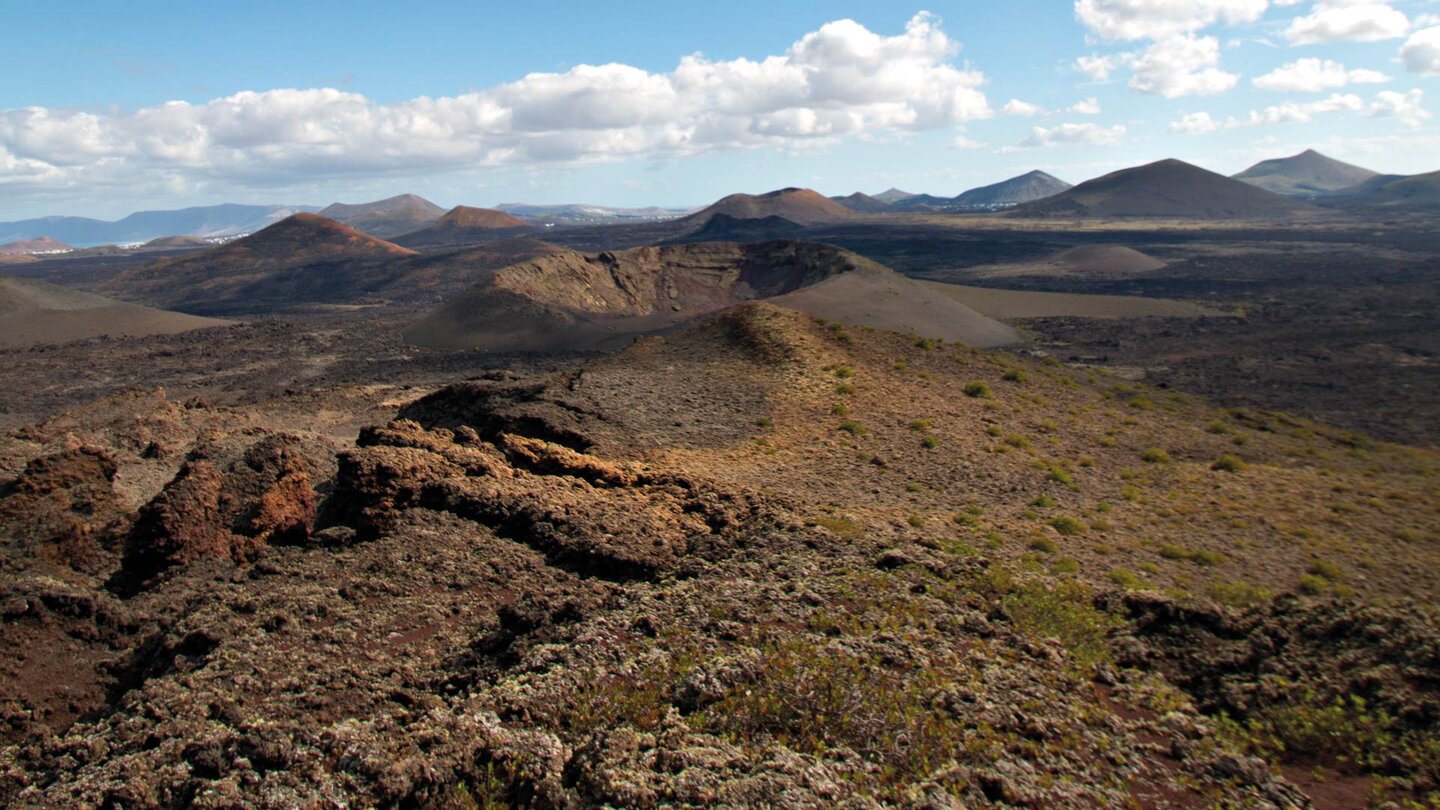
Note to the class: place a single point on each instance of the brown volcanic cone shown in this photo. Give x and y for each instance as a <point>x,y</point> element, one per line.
<point>463,225</point>
<point>27,246</point>
<point>1162,190</point>
<point>244,275</point>
<point>574,301</point>
<point>800,205</point>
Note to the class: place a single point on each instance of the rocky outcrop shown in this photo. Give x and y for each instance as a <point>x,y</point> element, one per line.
<point>226,509</point>
<point>60,511</point>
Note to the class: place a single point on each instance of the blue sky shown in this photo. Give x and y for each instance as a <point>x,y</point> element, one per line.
<point>107,108</point>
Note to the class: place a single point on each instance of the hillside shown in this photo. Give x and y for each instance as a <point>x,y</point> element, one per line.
<point>863,203</point>
<point>1028,187</point>
<point>574,301</point>
<point>1167,189</point>
<point>1308,174</point>
<point>26,247</point>
<point>385,218</point>
<point>241,276</point>
<point>1394,191</point>
<point>463,225</point>
<point>922,203</point>
<point>799,205</point>
<point>1083,261</point>
<point>35,313</point>
<point>727,567</point>
<point>725,228</point>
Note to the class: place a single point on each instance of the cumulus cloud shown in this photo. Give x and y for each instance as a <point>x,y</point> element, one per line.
<point>840,81</point>
<point>1098,67</point>
<point>1408,108</point>
<point>1421,52</point>
<point>1087,133</point>
<point>1348,21</point>
<point>1182,66</point>
<point>1198,123</point>
<point>1162,19</point>
<point>1021,108</point>
<point>1315,76</point>
<point>1086,106</point>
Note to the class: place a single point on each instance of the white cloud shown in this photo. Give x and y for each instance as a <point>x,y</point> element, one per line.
<point>1421,52</point>
<point>1086,133</point>
<point>1407,107</point>
<point>1021,108</point>
<point>1315,76</point>
<point>1182,66</point>
<point>1348,20</point>
<point>1198,123</point>
<point>1086,106</point>
<point>1099,67</point>
<point>840,81</point>
<point>1162,19</point>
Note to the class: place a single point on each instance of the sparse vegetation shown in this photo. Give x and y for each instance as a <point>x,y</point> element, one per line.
<point>1155,455</point>
<point>1066,525</point>
<point>1229,463</point>
<point>853,428</point>
<point>1198,556</point>
<point>977,390</point>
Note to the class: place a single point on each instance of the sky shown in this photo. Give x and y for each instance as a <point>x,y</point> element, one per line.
<point>108,108</point>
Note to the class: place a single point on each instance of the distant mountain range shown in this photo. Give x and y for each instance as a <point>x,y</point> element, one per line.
<point>1034,185</point>
<point>589,214</point>
<point>1309,177</point>
<point>206,221</point>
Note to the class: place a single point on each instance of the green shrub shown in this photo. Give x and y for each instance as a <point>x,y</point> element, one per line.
<point>1155,455</point>
<point>1126,579</point>
<point>853,428</point>
<point>1066,611</point>
<point>915,521</point>
<point>844,527</point>
<point>925,344</point>
<point>1014,375</point>
<point>1043,501</point>
<point>1197,556</point>
<point>764,422</point>
<point>1061,475</point>
<point>1045,544</point>
<point>1067,526</point>
<point>930,442</point>
<point>919,424</point>
<point>1229,463</point>
<point>840,409</point>
<point>1238,594</point>
<point>1312,585</point>
<point>978,390</point>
